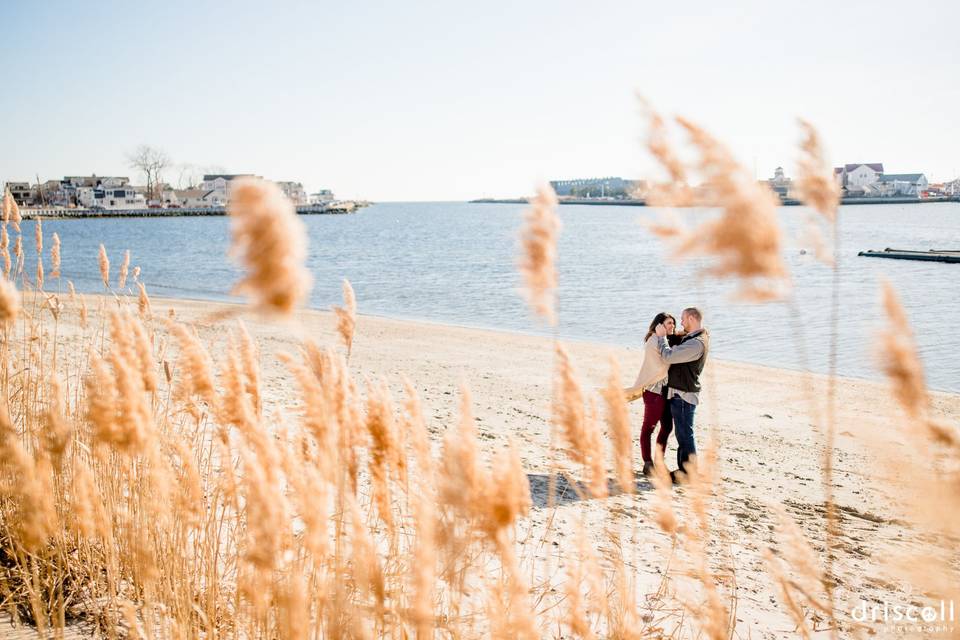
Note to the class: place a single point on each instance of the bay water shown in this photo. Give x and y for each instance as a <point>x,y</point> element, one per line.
<point>455,262</point>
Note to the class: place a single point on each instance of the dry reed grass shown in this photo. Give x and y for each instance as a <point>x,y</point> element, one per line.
<point>270,241</point>
<point>537,263</point>
<point>744,241</point>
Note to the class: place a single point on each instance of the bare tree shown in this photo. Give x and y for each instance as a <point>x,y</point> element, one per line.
<point>188,176</point>
<point>151,161</point>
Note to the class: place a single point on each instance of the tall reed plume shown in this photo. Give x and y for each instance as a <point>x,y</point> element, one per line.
<point>271,243</point>
<point>538,243</point>
<point>347,316</point>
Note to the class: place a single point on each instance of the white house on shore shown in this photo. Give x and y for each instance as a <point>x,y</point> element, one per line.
<point>322,196</point>
<point>903,184</point>
<point>110,197</point>
<point>294,191</point>
<point>858,175</point>
<point>219,185</point>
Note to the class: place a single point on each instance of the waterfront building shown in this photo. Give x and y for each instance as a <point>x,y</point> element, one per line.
<point>903,184</point>
<point>21,192</point>
<point>855,176</point>
<point>952,188</point>
<point>610,187</point>
<point>119,197</point>
<point>779,183</point>
<point>219,185</point>
<point>322,196</point>
<point>294,191</point>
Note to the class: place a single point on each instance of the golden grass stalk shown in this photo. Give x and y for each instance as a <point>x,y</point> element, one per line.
<point>9,302</point>
<point>11,211</point>
<point>538,242</point>
<point>5,251</point>
<point>618,422</point>
<point>816,185</point>
<point>7,206</point>
<point>28,482</point>
<point>901,364</point>
<point>38,235</point>
<point>347,316</point>
<point>271,242</point>
<point>104,266</point>
<point>39,274</point>
<point>55,256</point>
<point>124,269</point>
<point>195,364</point>
<point>746,239</point>
<point>676,191</point>
<point>578,426</point>
<point>143,301</point>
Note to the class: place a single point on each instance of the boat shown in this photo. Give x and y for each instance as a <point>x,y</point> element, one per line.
<point>931,255</point>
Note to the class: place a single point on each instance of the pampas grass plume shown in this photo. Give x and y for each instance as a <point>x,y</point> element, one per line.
<point>816,185</point>
<point>347,316</point>
<point>618,421</point>
<point>55,256</point>
<point>271,242</point>
<point>538,241</point>
<point>104,266</point>
<point>9,302</point>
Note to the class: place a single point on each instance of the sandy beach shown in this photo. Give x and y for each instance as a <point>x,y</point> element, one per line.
<point>769,447</point>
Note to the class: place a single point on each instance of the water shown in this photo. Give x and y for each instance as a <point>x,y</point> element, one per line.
<point>455,263</point>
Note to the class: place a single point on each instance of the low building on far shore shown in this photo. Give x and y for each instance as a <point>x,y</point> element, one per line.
<point>610,187</point>
<point>321,196</point>
<point>21,192</point>
<point>779,183</point>
<point>952,188</point>
<point>903,184</point>
<point>294,191</point>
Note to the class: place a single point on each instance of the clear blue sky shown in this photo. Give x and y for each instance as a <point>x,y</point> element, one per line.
<point>455,100</point>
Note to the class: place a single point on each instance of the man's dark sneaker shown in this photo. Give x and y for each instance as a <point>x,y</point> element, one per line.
<point>647,469</point>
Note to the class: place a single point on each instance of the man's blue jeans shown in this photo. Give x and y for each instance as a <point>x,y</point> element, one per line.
<point>683,427</point>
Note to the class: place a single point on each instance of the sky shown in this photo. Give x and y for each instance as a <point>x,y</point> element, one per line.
<point>458,100</point>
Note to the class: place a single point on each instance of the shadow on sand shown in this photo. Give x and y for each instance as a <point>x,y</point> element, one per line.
<point>568,490</point>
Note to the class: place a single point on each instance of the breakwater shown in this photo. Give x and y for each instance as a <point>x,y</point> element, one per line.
<point>786,202</point>
<point>63,212</point>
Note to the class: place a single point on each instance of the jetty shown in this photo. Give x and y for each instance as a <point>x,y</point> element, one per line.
<point>932,255</point>
<point>343,207</point>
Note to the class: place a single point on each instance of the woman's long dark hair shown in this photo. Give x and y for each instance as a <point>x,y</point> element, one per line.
<point>660,318</point>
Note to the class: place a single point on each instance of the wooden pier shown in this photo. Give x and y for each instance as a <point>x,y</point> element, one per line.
<point>933,255</point>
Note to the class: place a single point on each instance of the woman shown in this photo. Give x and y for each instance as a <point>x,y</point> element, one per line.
<point>651,384</point>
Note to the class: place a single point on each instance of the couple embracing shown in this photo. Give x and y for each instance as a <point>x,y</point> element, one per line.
<point>669,383</point>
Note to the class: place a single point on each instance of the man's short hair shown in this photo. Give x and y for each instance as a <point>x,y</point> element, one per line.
<point>693,311</point>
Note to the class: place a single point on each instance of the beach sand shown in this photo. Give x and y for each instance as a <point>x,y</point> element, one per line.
<point>769,449</point>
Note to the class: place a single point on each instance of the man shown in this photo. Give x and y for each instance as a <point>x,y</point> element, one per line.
<point>686,362</point>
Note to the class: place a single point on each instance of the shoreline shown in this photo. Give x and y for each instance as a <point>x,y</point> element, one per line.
<point>784,202</point>
<point>532,333</point>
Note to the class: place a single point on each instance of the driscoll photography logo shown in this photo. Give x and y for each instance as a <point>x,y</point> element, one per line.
<point>939,618</point>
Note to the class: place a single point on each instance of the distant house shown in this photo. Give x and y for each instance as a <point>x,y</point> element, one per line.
<point>21,192</point>
<point>779,183</point>
<point>117,197</point>
<point>219,184</point>
<point>322,196</point>
<point>190,198</point>
<point>952,188</point>
<point>853,177</point>
<point>903,184</point>
<point>294,191</point>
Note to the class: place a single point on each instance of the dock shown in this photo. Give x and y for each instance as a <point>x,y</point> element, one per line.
<point>932,255</point>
